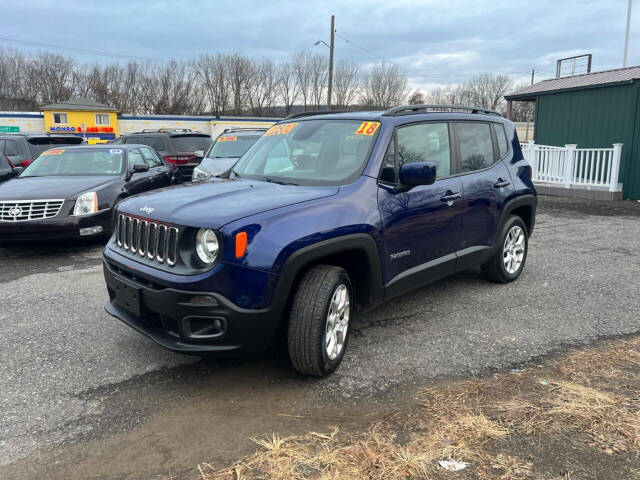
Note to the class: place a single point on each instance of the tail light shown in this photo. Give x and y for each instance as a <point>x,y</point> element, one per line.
<point>179,159</point>
<point>26,162</point>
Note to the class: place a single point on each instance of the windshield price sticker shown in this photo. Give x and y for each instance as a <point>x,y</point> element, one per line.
<point>283,129</point>
<point>367,128</point>
<point>115,151</point>
<point>227,139</point>
<point>53,152</point>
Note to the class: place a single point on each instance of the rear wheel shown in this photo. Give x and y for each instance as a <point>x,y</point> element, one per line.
<point>319,321</point>
<point>510,256</point>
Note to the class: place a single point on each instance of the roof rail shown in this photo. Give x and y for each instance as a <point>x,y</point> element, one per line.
<point>240,129</point>
<point>409,109</point>
<point>163,130</point>
<point>315,112</point>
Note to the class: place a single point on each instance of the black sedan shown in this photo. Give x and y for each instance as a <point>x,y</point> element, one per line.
<point>70,192</point>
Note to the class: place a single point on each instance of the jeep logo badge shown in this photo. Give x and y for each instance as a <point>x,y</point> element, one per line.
<point>15,211</point>
<point>147,210</point>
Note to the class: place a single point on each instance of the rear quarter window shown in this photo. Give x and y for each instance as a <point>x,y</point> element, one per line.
<point>37,145</point>
<point>156,143</point>
<point>190,143</point>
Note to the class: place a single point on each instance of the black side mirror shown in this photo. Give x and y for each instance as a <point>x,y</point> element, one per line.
<point>418,173</point>
<point>140,167</point>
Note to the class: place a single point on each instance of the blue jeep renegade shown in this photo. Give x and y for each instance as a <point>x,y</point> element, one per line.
<point>326,215</point>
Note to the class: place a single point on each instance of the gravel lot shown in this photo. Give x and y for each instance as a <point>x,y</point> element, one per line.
<point>75,383</point>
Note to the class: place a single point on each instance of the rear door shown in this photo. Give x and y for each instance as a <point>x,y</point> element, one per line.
<point>6,170</point>
<point>159,171</point>
<point>421,227</point>
<point>486,185</point>
<point>138,181</point>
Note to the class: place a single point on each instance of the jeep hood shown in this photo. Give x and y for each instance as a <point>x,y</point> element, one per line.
<point>217,203</point>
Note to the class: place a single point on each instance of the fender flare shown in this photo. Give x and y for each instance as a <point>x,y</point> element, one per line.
<point>310,253</point>
<point>527,199</point>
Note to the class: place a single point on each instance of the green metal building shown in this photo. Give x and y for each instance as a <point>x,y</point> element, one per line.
<point>594,110</point>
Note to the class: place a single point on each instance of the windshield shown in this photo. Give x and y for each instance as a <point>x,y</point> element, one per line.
<point>311,152</point>
<point>60,161</point>
<point>231,146</point>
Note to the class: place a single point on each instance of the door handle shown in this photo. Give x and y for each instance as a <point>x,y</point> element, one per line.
<point>449,197</point>
<point>501,183</point>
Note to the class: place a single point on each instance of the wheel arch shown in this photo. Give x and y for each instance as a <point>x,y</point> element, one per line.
<point>523,206</point>
<point>356,253</point>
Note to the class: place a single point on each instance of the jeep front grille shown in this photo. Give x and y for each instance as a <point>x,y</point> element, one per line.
<point>24,210</point>
<point>146,238</point>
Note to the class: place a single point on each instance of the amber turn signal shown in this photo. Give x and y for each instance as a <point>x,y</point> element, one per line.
<point>241,244</point>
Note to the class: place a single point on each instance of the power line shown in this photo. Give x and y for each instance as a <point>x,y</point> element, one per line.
<point>78,49</point>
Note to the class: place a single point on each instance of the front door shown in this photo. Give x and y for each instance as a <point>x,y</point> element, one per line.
<point>421,226</point>
<point>138,181</point>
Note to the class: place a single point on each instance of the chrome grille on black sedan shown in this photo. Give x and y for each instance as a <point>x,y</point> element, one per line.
<point>24,210</point>
<point>153,240</point>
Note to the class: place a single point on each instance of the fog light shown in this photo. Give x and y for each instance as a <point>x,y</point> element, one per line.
<point>90,231</point>
<point>206,300</point>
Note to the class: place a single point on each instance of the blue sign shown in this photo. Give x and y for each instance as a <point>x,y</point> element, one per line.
<point>62,129</point>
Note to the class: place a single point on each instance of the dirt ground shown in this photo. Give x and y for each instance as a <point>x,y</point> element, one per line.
<point>574,416</point>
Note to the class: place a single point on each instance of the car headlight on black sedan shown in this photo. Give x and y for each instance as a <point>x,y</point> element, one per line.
<point>207,245</point>
<point>200,175</point>
<point>86,204</point>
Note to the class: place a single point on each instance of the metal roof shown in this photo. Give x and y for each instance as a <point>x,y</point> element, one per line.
<point>80,103</point>
<point>605,77</point>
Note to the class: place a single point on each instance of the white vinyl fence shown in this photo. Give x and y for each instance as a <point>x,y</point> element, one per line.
<point>570,166</point>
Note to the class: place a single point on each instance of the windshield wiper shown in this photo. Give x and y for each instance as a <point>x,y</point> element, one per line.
<point>279,182</point>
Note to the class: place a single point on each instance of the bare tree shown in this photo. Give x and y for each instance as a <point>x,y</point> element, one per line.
<point>301,67</point>
<point>488,91</point>
<point>523,111</point>
<point>213,73</point>
<point>319,72</point>
<point>384,86</point>
<point>416,98</point>
<point>261,89</point>
<point>346,83</point>
<point>287,87</point>
<point>239,70</point>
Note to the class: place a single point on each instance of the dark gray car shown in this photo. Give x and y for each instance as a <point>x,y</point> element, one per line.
<point>225,151</point>
<point>23,148</point>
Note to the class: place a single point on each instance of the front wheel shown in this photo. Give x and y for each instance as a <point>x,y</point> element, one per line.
<point>319,320</point>
<point>511,253</point>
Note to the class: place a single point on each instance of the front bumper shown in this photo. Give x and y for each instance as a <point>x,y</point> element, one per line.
<point>172,318</point>
<point>59,227</point>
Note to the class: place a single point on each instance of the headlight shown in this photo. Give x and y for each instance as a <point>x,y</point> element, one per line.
<point>86,204</point>
<point>207,245</point>
<point>199,174</point>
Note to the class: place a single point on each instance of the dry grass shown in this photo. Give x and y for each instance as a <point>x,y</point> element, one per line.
<point>589,394</point>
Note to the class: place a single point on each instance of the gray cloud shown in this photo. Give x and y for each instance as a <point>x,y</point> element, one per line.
<point>434,42</point>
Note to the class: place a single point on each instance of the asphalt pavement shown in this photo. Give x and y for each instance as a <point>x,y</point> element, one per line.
<point>76,384</point>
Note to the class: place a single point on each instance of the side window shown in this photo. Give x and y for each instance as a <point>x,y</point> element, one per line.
<point>135,158</point>
<point>474,144</point>
<point>11,148</point>
<point>151,159</point>
<point>426,142</point>
<point>501,136</point>
<point>388,171</point>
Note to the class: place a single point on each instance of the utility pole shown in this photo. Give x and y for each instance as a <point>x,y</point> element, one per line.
<point>333,23</point>
<point>626,36</point>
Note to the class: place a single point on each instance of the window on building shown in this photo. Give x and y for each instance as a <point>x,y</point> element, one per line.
<point>475,145</point>
<point>102,119</point>
<point>60,118</point>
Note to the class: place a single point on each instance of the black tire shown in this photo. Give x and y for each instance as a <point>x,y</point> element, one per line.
<point>495,269</point>
<point>308,320</point>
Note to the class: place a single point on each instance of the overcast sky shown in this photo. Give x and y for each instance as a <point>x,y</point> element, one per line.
<point>434,42</point>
